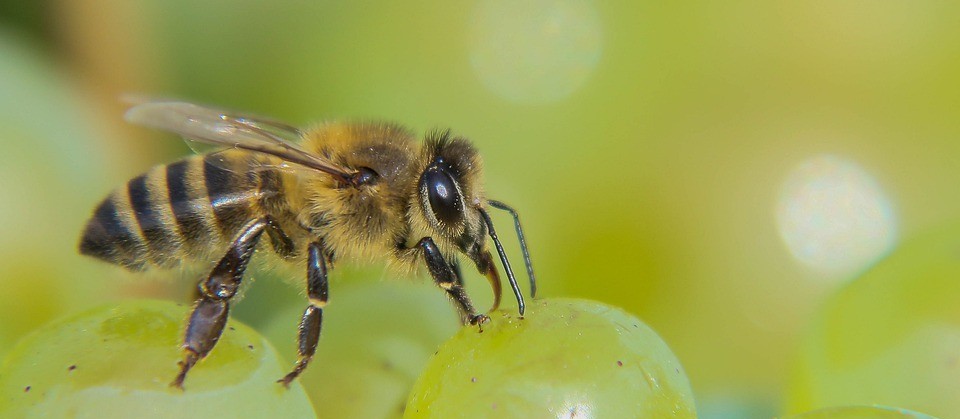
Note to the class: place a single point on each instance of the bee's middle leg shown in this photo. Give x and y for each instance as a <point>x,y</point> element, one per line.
<point>312,319</point>
<point>445,276</point>
<point>209,316</point>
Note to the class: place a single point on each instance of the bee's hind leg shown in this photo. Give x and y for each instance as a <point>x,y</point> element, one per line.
<point>312,318</point>
<point>445,276</point>
<point>210,314</point>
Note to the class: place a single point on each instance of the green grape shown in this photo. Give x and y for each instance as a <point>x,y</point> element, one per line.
<point>565,358</point>
<point>377,338</point>
<point>118,361</point>
<point>860,412</point>
<point>891,337</point>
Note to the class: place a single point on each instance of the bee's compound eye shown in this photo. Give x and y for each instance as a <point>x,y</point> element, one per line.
<point>444,198</point>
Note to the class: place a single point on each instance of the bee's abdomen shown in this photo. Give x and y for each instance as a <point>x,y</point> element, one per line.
<point>133,226</point>
<point>184,210</point>
<point>109,236</point>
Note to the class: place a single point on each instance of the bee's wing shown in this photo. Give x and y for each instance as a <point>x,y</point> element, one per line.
<point>221,128</point>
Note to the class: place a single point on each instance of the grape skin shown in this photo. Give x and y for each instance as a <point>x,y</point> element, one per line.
<point>118,361</point>
<point>566,358</point>
<point>861,412</point>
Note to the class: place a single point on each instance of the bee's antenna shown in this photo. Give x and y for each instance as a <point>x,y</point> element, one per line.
<point>523,243</point>
<point>503,259</point>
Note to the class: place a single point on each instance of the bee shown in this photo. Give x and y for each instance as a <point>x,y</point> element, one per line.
<point>336,191</point>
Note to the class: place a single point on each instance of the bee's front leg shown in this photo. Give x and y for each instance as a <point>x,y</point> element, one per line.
<point>447,279</point>
<point>210,314</point>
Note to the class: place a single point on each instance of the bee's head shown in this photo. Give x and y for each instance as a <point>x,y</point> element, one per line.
<point>452,204</point>
<point>449,192</point>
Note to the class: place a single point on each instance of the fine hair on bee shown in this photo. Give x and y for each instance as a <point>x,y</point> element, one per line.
<point>337,191</point>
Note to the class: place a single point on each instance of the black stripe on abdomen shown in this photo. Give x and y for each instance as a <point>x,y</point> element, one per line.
<point>230,192</point>
<point>106,237</point>
<point>187,204</point>
<point>147,205</point>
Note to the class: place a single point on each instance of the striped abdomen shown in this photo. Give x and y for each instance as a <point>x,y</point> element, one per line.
<point>184,210</point>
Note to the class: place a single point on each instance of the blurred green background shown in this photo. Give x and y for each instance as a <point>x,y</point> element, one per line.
<point>719,170</point>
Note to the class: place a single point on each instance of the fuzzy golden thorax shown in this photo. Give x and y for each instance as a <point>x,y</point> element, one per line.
<point>384,219</point>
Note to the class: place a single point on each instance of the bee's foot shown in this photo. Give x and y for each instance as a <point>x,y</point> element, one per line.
<point>188,362</point>
<point>177,383</point>
<point>479,320</point>
<point>287,380</point>
<point>301,365</point>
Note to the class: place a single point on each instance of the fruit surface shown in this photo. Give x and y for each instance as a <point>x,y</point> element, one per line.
<point>565,358</point>
<point>861,412</point>
<point>118,361</point>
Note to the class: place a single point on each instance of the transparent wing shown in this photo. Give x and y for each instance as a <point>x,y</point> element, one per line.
<point>286,131</point>
<point>221,128</point>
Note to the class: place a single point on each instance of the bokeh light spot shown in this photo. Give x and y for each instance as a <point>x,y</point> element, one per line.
<point>834,218</point>
<point>534,52</point>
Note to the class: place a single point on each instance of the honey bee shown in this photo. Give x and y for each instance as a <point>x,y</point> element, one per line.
<point>336,191</point>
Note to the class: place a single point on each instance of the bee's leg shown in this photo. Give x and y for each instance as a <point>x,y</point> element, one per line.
<point>455,264</point>
<point>313,315</point>
<point>210,314</point>
<point>278,239</point>
<point>447,279</point>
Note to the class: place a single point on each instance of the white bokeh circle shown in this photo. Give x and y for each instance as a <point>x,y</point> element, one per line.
<point>534,52</point>
<point>834,218</point>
